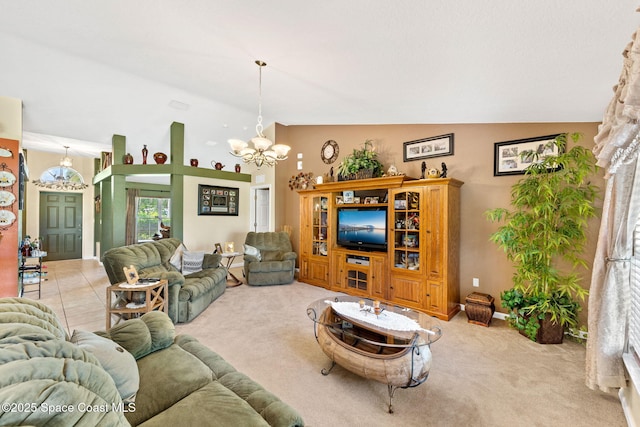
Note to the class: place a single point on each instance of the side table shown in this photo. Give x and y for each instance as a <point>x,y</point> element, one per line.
<point>31,273</point>
<point>230,257</point>
<point>126,301</point>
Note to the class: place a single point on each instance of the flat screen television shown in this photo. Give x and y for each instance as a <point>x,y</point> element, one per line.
<point>363,228</point>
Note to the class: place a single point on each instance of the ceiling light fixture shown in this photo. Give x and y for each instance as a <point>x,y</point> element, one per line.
<point>61,177</point>
<point>265,152</point>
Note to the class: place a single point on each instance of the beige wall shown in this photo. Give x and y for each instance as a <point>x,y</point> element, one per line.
<point>201,232</point>
<point>39,161</point>
<point>10,118</point>
<point>472,162</point>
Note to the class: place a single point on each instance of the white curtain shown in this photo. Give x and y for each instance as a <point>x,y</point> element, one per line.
<point>616,149</point>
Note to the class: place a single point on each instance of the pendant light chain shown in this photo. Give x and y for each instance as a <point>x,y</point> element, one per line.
<point>259,126</point>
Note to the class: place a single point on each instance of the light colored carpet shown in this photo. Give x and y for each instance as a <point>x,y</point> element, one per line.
<point>479,377</point>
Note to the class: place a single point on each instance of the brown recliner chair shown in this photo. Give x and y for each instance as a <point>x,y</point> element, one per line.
<point>269,258</point>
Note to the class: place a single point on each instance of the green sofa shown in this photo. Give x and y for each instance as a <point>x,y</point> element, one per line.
<point>270,260</point>
<point>189,295</point>
<point>45,379</point>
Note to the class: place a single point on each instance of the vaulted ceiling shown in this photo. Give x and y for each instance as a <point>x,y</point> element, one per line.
<point>88,69</point>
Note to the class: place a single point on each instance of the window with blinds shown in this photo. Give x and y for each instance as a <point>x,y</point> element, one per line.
<point>634,310</point>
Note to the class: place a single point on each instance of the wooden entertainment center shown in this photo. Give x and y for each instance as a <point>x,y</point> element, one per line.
<point>420,267</point>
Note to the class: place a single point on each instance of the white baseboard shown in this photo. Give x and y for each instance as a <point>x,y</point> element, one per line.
<point>496,314</point>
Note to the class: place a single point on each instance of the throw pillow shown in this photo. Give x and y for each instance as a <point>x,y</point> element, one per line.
<point>117,361</point>
<point>272,255</point>
<point>191,262</point>
<point>176,258</point>
<point>250,250</point>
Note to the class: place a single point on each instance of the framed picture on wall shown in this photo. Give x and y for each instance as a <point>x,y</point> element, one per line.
<point>425,148</point>
<point>513,157</point>
<point>213,200</point>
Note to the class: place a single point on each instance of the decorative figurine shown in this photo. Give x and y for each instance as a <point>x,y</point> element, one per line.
<point>144,154</point>
<point>160,158</point>
<point>443,173</point>
<point>127,159</point>
<point>423,169</point>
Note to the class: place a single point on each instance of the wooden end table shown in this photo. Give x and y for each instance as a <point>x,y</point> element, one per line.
<point>126,301</point>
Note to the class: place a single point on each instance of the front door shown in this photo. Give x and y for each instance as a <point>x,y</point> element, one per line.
<point>61,225</point>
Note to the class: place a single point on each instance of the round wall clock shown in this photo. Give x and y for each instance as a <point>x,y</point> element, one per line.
<point>329,151</point>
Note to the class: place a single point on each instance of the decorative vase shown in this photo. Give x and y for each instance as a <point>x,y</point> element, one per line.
<point>160,158</point>
<point>144,154</point>
<point>127,159</point>
<point>237,167</point>
<point>194,162</point>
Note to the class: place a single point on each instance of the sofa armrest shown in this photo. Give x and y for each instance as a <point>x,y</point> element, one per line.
<point>174,278</point>
<point>151,332</point>
<point>211,261</point>
<point>289,255</point>
<point>250,258</point>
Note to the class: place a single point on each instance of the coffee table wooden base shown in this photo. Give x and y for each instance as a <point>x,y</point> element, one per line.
<point>401,367</point>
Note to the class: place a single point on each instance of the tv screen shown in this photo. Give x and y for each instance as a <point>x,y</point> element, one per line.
<point>363,228</point>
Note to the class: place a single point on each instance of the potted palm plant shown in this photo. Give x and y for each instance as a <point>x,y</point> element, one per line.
<point>360,164</point>
<point>544,235</point>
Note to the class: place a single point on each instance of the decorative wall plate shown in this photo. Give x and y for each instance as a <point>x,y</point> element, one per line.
<point>6,218</point>
<point>5,152</point>
<point>7,179</point>
<point>6,198</point>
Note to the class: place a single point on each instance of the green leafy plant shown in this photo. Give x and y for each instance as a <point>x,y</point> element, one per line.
<point>544,231</point>
<point>365,158</point>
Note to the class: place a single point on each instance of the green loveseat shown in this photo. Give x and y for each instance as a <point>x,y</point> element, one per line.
<point>270,260</point>
<point>189,295</point>
<point>45,379</point>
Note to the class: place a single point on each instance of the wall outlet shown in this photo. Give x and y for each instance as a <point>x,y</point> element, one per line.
<point>476,282</point>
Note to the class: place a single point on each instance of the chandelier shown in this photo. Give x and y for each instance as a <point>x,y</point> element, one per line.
<point>264,151</point>
<point>62,177</point>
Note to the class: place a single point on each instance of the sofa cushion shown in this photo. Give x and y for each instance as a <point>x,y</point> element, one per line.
<point>151,332</point>
<point>25,311</point>
<point>173,375</point>
<point>215,403</point>
<point>118,362</point>
<point>272,255</point>
<point>191,261</point>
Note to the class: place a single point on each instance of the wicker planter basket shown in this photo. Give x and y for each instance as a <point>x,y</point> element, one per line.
<point>361,174</point>
<point>479,308</point>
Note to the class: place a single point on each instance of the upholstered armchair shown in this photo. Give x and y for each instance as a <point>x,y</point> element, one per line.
<point>268,258</point>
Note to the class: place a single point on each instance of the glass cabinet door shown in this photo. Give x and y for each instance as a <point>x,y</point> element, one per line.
<point>320,226</point>
<point>406,230</point>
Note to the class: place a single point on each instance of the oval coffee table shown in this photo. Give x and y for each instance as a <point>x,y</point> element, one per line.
<point>391,347</point>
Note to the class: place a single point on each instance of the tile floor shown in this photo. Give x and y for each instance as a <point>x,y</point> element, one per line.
<point>76,291</point>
